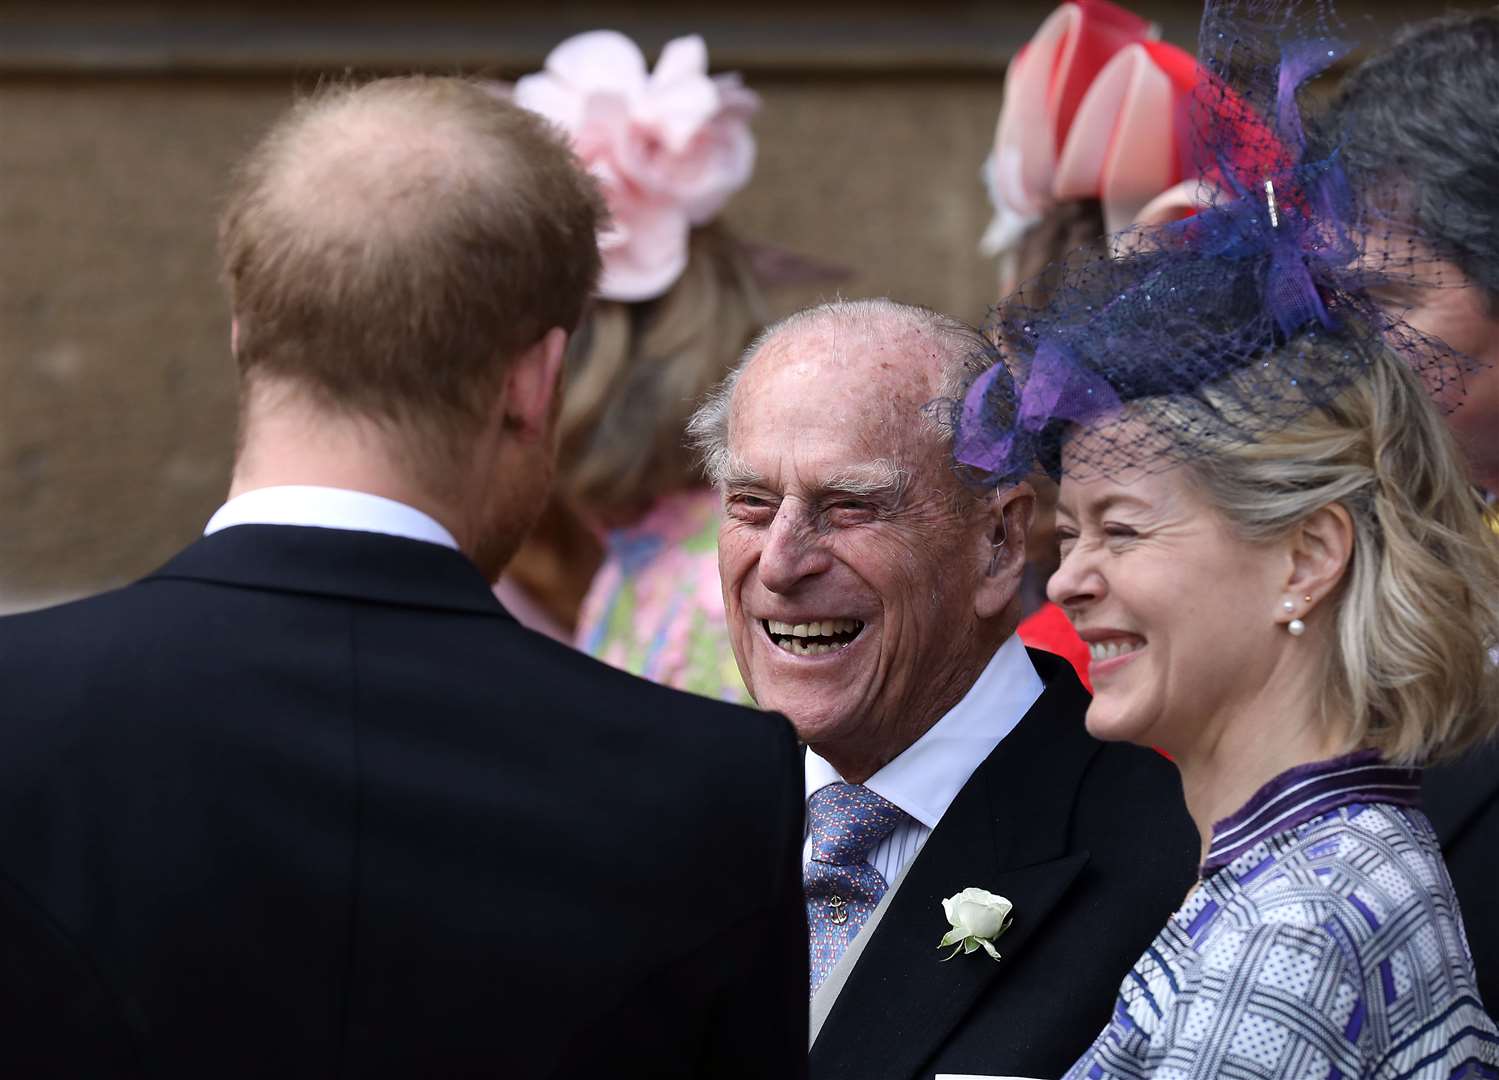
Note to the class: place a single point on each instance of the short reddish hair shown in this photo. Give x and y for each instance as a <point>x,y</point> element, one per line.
<point>390,246</point>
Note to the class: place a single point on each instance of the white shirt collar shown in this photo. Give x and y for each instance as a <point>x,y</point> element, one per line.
<point>926,777</point>
<point>329,508</point>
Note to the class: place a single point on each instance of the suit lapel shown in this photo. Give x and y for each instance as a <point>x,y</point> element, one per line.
<point>1005,832</point>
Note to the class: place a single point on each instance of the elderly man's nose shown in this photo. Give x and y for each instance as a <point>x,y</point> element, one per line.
<point>792,552</point>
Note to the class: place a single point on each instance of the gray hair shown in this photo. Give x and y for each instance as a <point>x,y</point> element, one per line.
<point>1438,162</point>
<point>967,352</point>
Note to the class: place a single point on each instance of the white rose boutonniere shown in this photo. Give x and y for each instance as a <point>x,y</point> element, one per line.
<point>977,917</point>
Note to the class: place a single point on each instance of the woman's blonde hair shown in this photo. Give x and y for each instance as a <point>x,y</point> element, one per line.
<point>1417,612</point>
<point>636,373</point>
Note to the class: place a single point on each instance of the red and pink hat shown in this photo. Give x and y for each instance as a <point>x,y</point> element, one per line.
<point>1094,108</point>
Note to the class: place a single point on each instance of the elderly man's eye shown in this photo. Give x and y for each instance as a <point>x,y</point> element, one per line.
<point>749,507</point>
<point>846,511</point>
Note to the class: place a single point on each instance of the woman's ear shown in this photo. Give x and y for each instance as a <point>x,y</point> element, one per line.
<point>1321,547</point>
<point>1007,517</point>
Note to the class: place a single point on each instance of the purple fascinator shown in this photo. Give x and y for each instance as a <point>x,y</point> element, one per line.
<point>1164,342</point>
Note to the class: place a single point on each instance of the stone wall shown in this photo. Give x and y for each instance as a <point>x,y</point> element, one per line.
<point>118,124</point>
<point>116,390</point>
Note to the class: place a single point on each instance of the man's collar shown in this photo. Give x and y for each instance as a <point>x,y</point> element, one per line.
<point>924,779</point>
<point>350,563</point>
<point>329,508</point>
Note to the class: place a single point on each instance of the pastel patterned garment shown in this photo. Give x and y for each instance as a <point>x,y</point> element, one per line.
<point>845,822</point>
<point>655,608</point>
<point>1324,941</point>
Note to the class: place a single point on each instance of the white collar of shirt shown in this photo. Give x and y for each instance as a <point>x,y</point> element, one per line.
<point>329,508</point>
<point>926,777</point>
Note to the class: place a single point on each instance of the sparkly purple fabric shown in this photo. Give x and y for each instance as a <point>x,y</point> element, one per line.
<point>845,823</point>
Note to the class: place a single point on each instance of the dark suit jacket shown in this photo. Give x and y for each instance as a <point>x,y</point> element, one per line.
<point>309,803</point>
<point>1462,800</point>
<point>1093,845</point>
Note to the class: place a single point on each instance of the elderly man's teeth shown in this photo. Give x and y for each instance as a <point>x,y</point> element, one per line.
<point>813,638</point>
<point>1107,650</point>
<point>826,628</point>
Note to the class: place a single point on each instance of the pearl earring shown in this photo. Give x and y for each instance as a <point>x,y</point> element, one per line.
<point>1289,605</point>
<point>1296,627</point>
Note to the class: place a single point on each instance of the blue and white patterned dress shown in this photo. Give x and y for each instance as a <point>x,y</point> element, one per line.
<point>1324,941</point>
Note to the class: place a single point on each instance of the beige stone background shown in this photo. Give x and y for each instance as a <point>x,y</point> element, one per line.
<point>118,123</point>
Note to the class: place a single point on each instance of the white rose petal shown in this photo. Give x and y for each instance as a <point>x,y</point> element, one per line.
<point>980,920</point>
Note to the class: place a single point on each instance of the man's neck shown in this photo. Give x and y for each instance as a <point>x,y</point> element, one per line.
<point>873,747</point>
<point>291,444</point>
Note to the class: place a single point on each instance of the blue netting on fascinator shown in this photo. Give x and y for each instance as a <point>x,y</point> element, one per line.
<point>1168,342</point>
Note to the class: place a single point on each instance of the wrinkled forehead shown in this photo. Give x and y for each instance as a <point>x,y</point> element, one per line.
<point>830,396</point>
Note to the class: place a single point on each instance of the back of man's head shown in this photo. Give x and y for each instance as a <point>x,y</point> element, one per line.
<point>390,246</point>
<point>1415,129</point>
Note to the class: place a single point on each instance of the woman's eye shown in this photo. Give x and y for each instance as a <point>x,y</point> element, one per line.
<point>1119,532</point>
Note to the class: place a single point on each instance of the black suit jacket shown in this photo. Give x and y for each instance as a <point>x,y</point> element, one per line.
<point>1093,845</point>
<point>309,803</point>
<point>1462,800</point>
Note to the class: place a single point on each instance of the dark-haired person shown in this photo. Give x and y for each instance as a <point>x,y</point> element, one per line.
<point>1415,129</point>
<point>307,801</point>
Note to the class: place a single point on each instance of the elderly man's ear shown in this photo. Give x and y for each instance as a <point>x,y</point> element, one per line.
<point>1008,515</point>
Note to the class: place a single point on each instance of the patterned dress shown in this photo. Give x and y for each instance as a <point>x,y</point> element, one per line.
<point>655,607</point>
<point>1324,941</point>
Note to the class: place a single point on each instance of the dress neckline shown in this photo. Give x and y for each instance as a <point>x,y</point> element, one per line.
<point>1308,791</point>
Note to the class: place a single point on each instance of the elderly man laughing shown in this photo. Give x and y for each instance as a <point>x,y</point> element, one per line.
<point>871,597</point>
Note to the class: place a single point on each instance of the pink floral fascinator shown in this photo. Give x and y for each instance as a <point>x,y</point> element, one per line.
<point>1094,108</point>
<point>668,147</point>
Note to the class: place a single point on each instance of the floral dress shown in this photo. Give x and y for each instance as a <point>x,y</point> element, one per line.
<point>1324,941</point>
<point>655,607</point>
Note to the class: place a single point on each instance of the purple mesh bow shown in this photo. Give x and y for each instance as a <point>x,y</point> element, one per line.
<point>1304,227</point>
<point>1057,388</point>
<point>1188,324</point>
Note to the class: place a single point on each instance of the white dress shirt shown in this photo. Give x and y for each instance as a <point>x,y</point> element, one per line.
<point>926,777</point>
<point>329,508</point>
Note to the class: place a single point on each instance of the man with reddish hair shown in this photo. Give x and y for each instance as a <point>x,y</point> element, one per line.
<point>307,801</point>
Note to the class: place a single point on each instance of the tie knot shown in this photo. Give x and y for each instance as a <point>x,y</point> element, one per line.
<point>847,821</point>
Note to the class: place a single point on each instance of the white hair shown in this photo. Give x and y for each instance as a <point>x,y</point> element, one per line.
<point>966,353</point>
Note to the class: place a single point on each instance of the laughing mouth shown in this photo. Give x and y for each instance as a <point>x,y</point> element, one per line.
<point>1107,650</point>
<point>813,638</point>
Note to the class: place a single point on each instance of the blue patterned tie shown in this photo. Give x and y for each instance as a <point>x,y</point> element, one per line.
<point>845,823</point>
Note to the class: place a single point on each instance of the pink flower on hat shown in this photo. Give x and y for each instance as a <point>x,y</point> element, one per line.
<point>668,147</point>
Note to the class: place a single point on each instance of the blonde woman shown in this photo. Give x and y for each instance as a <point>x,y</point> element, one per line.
<point>624,563</point>
<point>1271,548</point>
